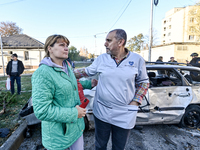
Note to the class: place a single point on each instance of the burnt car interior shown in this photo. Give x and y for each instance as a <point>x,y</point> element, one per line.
<point>160,77</point>
<point>192,76</point>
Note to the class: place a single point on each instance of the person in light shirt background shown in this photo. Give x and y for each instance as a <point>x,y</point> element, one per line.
<point>122,83</point>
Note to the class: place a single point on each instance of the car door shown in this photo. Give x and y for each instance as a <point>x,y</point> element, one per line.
<point>169,98</point>
<point>193,77</point>
<point>143,112</point>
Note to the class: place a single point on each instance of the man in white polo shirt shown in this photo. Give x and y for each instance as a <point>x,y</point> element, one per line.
<point>14,70</point>
<point>122,83</point>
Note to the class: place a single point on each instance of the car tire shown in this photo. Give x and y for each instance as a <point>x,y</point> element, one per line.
<point>191,118</point>
<point>86,124</point>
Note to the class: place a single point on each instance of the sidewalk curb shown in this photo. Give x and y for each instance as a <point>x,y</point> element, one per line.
<point>15,140</point>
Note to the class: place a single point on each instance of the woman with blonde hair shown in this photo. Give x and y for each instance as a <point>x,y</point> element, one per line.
<point>56,100</point>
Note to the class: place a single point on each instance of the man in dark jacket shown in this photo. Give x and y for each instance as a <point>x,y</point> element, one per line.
<point>195,60</point>
<point>14,70</point>
<point>160,59</point>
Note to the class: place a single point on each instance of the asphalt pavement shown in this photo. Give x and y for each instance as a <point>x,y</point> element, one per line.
<point>151,137</point>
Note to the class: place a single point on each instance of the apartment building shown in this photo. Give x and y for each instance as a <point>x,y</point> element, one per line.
<point>179,25</point>
<point>180,35</point>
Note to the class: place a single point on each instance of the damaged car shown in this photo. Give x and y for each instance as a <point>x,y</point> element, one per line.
<point>172,98</point>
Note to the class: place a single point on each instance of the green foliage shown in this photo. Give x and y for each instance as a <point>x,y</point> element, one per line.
<point>135,43</point>
<point>90,55</point>
<point>8,97</point>
<point>9,119</point>
<point>74,54</point>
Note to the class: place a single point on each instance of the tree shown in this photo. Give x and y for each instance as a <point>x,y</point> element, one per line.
<point>73,53</point>
<point>135,43</point>
<point>90,55</point>
<point>155,38</point>
<point>83,52</point>
<point>9,28</point>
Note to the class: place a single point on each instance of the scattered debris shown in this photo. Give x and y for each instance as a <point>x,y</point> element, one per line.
<point>166,137</point>
<point>4,132</point>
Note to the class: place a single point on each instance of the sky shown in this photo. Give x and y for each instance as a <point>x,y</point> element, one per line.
<point>86,22</point>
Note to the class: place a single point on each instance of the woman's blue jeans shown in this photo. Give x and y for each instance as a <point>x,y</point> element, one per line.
<point>18,80</point>
<point>102,134</point>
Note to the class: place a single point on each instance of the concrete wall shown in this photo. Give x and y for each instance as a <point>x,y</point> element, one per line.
<point>181,52</point>
<point>165,51</point>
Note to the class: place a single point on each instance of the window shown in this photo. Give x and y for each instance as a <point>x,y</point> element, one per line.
<point>170,19</point>
<point>191,20</point>
<point>26,55</point>
<point>164,35</point>
<point>192,29</point>
<point>182,48</point>
<point>164,28</point>
<point>11,52</point>
<point>170,26</point>
<point>169,33</point>
<point>191,37</point>
<point>165,22</point>
<point>194,12</point>
<point>198,38</point>
<point>163,41</point>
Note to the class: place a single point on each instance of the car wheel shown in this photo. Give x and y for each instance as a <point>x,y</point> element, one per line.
<point>191,118</point>
<point>86,124</point>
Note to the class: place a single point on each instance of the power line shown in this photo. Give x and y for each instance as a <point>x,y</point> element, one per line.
<point>121,14</point>
<point>11,2</point>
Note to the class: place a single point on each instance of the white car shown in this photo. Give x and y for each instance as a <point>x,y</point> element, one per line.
<point>172,98</point>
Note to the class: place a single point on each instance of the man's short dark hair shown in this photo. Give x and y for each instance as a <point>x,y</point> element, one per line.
<point>14,55</point>
<point>120,34</point>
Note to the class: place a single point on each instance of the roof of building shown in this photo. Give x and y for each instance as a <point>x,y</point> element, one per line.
<point>21,41</point>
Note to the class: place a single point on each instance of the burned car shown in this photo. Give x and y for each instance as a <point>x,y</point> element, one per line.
<point>172,98</point>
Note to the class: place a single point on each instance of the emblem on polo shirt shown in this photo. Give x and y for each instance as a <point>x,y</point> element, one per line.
<point>131,63</point>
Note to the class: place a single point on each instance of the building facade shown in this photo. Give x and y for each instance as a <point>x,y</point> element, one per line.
<point>180,50</point>
<point>29,50</point>
<point>180,35</point>
<point>179,24</point>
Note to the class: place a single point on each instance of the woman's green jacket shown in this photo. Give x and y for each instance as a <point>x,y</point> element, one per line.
<point>54,96</point>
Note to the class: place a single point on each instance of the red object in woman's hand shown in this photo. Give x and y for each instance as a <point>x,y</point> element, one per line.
<point>84,104</point>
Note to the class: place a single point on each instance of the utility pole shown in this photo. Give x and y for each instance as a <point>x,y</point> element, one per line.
<point>153,2</point>
<point>150,34</point>
<point>95,36</point>
<point>2,54</point>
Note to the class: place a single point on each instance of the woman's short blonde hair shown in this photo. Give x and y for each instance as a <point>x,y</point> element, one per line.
<point>51,40</point>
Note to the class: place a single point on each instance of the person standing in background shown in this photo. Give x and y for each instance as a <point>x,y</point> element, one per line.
<point>195,60</point>
<point>73,65</point>
<point>172,60</point>
<point>14,70</point>
<point>160,59</point>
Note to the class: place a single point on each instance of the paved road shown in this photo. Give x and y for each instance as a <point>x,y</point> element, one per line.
<point>154,137</point>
